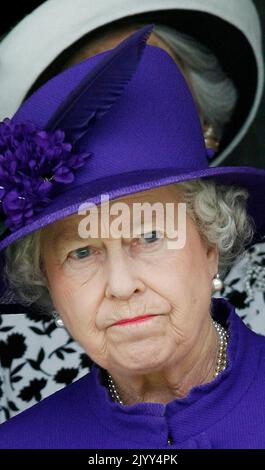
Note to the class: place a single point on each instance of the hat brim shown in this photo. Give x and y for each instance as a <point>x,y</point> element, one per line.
<point>123,184</point>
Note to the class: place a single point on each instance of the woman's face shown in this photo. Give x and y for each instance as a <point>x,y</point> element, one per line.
<point>98,281</point>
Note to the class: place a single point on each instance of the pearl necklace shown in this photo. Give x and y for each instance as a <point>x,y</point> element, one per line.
<point>220,365</point>
<point>222,356</point>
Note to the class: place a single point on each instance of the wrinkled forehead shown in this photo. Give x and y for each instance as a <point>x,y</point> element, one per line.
<point>130,212</point>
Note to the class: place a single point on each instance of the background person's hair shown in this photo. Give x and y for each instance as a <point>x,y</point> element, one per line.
<point>219,212</point>
<point>213,91</point>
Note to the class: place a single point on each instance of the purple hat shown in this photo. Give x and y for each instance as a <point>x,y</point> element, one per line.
<point>117,123</point>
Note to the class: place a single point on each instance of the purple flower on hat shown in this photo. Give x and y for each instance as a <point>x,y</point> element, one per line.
<point>32,161</point>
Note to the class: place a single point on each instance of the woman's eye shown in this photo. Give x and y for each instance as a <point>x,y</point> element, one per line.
<point>151,237</point>
<point>81,253</point>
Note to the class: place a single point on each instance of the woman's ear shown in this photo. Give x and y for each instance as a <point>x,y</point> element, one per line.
<point>212,252</point>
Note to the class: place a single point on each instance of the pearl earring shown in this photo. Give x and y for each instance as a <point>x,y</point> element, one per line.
<point>217,283</point>
<point>57,320</point>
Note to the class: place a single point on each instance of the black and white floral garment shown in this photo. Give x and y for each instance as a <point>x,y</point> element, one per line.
<point>37,358</point>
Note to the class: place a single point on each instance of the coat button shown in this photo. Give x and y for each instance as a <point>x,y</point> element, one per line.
<point>170,440</point>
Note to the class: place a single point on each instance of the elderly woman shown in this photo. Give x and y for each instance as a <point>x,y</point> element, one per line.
<point>137,299</point>
<point>45,357</point>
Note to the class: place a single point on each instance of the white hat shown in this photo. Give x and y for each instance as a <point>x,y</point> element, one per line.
<point>231,29</point>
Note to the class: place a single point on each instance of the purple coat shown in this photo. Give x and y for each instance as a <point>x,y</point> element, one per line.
<point>228,412</point>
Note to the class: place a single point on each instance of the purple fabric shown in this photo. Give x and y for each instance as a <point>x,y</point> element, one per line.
<point>228,412</point>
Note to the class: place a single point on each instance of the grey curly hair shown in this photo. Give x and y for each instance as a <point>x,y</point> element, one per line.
<point>219,212</point>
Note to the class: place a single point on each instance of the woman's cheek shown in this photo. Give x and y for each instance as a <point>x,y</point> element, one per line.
<point>63,297</point>
<point>80,302</point>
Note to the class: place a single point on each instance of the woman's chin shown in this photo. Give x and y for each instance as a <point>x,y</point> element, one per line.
<point>141,362</point>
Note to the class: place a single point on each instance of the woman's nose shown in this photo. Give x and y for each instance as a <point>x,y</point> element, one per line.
<point>122,278</point>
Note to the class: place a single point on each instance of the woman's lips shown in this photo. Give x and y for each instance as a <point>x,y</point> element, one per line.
<point>134,320</point>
